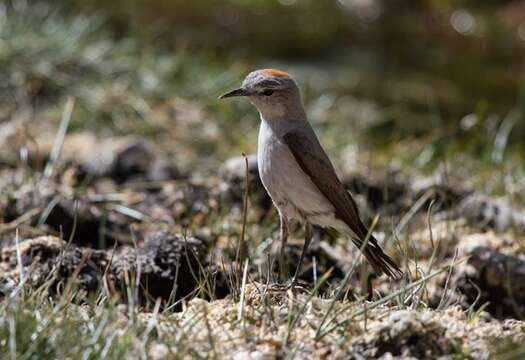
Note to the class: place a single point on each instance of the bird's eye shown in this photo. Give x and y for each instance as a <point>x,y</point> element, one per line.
<point>267,92</point>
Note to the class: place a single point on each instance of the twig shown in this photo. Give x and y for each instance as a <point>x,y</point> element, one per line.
<point>19,258</point>
<point>19,220</point>
<point>240,256</point>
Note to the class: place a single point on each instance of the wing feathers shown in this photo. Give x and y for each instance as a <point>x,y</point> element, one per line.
<point>312,159</point>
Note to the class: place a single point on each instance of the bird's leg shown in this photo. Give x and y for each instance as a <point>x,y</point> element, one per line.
<point>284,239</point>
<point>307,239</point>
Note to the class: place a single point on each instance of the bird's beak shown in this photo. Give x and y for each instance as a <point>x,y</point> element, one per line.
<point>236,92</point>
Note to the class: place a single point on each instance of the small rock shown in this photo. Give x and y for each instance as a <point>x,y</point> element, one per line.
<point>131,161</point>
<point>234,169</point>
<point>167,262</point>
<point>252,355</point>
<point>47,258</point>
<point>162,169</point>
<point>505,243</point>
<point>139,159</point>
<point>385,191</point>
<point>412,334</point>
<point>121,158</point>
<point>488,213</point>
<point>495,278</point>
<point>61,210</point>
<point>158,351</point>
<point>233,173</point>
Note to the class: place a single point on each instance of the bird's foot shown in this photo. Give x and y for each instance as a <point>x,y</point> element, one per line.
<point>292,284</point>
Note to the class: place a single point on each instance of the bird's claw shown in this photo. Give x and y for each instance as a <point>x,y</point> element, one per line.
<point>291,284</point>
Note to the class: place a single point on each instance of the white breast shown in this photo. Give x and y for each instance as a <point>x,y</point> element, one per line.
<point>291,190</point>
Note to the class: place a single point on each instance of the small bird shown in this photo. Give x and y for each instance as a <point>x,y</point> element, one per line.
<point>297,173</point>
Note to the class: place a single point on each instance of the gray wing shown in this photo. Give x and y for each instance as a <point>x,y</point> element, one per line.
<point>312,159</point>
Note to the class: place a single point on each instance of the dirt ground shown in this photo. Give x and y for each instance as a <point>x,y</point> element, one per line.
<point>117,214</point>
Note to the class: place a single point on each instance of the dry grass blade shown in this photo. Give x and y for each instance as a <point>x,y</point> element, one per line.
<point>209,332</point>
<point>71,283</point>
<point>19,258</point>
<point>347,277</point>
<point>240,255</point>
<point>200,275</point>
<point>152,323</point>
<point>413,210</point>
<point>384,300</point>
<point>127,211</point>
<point>295,317</point>
<point>59,139</point>
<point>502,136</point>
<point>134,301</point>
<point>235,272</point>
<point>417,294</point>
<point>47,211</point>
<point>243,290</point>
<point>443,299</point>
<point>22,277</point>
<point>28,216</point>
<point>12,337</point>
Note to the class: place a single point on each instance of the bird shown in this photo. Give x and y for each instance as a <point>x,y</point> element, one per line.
<point>298,174</point>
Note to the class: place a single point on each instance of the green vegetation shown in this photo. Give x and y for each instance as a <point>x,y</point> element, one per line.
<point>394,87</point>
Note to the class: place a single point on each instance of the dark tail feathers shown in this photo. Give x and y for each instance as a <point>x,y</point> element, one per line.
<point>380,261</point>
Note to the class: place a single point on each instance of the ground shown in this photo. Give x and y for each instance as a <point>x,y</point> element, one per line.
<point>124,198</point>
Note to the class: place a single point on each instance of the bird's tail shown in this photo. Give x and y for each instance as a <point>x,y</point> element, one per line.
<point>380,261</point>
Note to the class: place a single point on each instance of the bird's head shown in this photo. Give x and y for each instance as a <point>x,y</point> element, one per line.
<point>273,92</point>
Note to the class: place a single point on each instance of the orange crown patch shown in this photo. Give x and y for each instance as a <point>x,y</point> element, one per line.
<point>275,72</point>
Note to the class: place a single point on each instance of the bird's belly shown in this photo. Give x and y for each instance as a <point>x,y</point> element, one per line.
<point>291,190</point>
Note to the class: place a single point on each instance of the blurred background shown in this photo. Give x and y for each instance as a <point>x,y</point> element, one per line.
<point>418,86</point>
